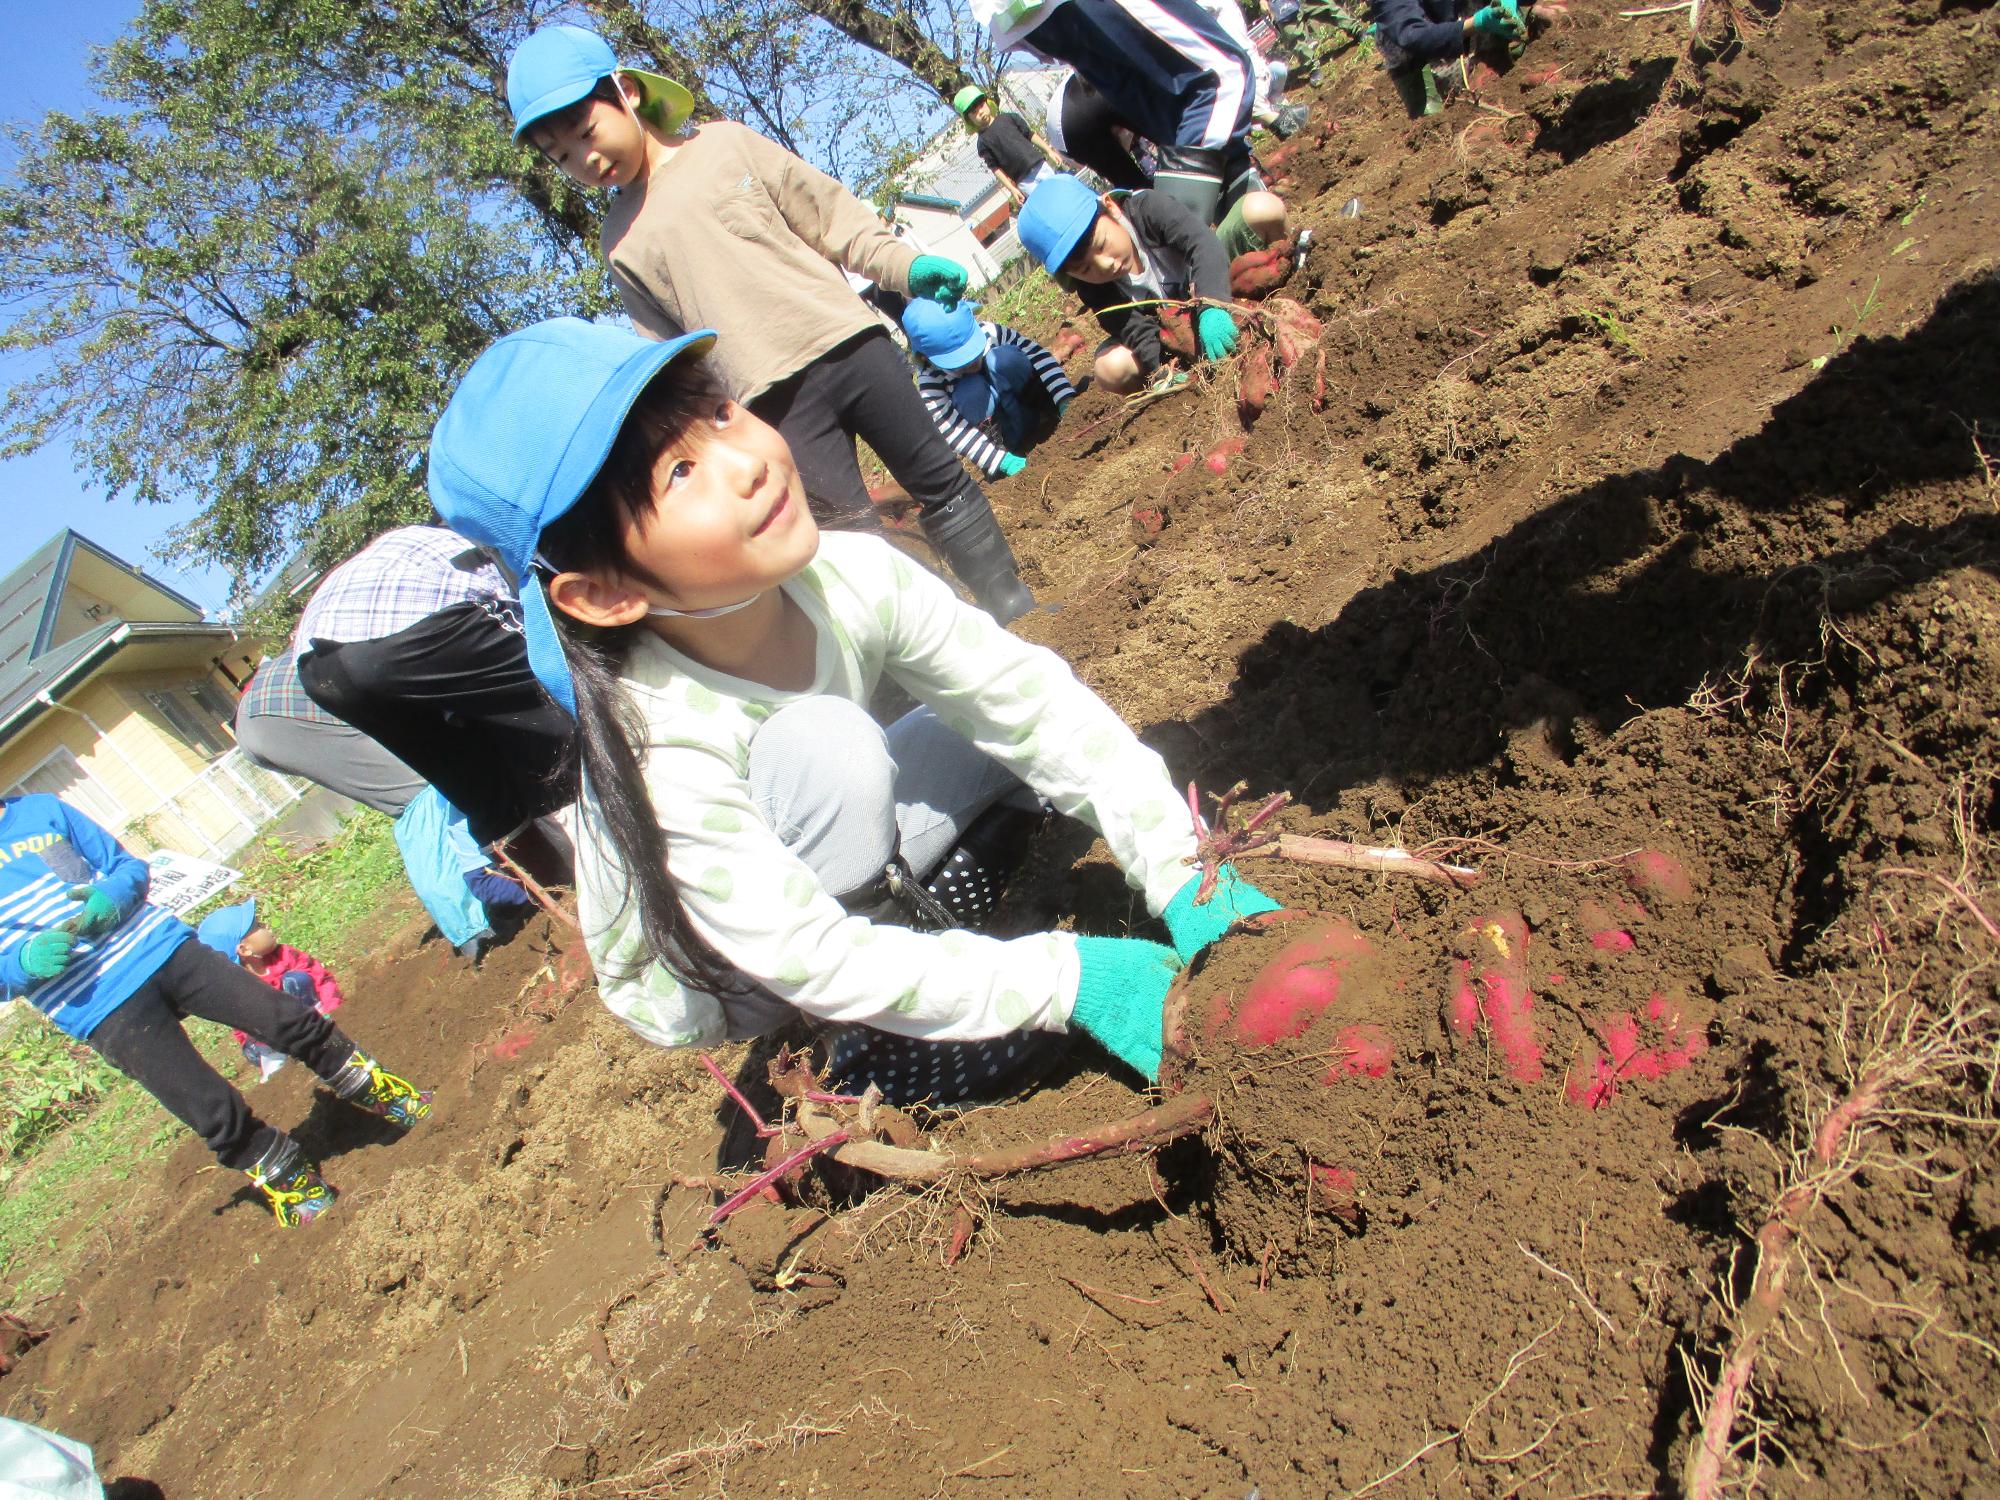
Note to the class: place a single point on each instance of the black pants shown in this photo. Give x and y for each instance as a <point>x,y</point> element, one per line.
<point>861,389</point>
<point>1089,136</point>
<point>453,699</point>
<point>144,1041</point>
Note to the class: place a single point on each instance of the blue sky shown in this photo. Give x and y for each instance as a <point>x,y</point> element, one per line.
<point>40,494</point>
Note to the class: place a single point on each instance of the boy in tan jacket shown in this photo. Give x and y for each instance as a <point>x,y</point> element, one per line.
<point>717,227</point>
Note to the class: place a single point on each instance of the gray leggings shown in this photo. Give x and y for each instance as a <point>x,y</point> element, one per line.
<point>843,793</point>
<point>845,796</point>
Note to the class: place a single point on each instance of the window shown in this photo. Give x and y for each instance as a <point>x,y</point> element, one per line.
<point>186,709</point>
<point>62,775</point>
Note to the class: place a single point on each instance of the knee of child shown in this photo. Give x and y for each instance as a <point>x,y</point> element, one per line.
<point>1264,212</point>
<point>1118,371</point>
<point>821,772</point>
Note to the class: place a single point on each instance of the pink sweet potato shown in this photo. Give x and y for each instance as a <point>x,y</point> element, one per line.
<point>1258,273</point>
<point>1218,457</point>
<point>1179,462</point>
<point>1657,878</point>
<point>1254,384</point>
<point>1366,1052</point>
<point>1604,930</point>
<point>1622,1053</point>
<point>1493,988</point>
<point>1305,977</point>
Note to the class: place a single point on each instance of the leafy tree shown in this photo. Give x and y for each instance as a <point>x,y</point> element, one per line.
<point>256,276</point>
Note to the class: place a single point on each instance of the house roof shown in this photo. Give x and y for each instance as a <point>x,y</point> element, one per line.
<point>69,608</point>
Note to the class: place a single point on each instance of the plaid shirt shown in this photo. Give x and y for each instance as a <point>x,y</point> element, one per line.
<point>398,579</point>
<point>276,692</point>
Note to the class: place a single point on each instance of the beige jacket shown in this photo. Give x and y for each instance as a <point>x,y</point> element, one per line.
<point>735,233</point>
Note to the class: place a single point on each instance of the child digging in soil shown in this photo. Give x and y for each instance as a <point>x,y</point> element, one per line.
<point>718,227</point>
<point>79,941</point>
<point>235,933</point>
<point>994,393</point>
<point>751,843</point>
<point>1128,256</point>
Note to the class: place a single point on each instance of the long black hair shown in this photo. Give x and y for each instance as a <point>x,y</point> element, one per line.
<point>589,538</point>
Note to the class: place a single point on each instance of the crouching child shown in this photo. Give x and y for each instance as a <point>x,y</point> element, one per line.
<point>80,942</point>
<point>1138,260</point>
<point>235,933</point>
<point>994,393</point>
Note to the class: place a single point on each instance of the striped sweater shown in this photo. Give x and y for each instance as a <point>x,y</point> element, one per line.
<point>46,848</point>
<point>967,440</point>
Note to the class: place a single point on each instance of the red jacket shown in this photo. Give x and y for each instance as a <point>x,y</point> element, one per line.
<point>288,960</point>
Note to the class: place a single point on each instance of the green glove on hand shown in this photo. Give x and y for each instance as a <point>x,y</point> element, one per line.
<point>99,915</point>
<point>1215,331</point>
<point>1012,464</point>
<point>941,280</point>
<point>1194,927</point>
<point>1502,20</point>
<point>1121,997</point>
<point>47,954</point>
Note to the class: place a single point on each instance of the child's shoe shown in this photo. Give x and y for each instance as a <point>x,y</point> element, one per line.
<point>291,1185</point>
<point>362,1083</point>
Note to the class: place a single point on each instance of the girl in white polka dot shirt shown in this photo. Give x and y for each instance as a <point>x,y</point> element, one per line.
<point>742,815</point>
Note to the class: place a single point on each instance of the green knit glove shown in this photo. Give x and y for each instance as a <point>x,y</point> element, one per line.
<point>1121,998</point>
<point>1194,927</point>
<point>100,913</point>
<point>1215,331</point>
<point>941,280</point>
<point>1011,464</point>
<point>47,954</point>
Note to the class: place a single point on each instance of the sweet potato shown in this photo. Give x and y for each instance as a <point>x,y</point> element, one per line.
<point>1258,273</point>
<point>1302,980</point>
<point>1179,462</point>
<point>1254,384</point>
<point>1657,878</point>
<point>1594,1080</point>
<point>1493,987</point>
<point>1217,458</point>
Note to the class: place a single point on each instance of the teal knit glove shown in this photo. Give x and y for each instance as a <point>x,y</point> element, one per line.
<point>100,914</point>
<point>1121,997</point>
<point>1011,464</point>
<point>1194,927</point>
<point>1501,20</point>
<point>47,954</point>
<point>1215,331</point>
<point>941,280</point>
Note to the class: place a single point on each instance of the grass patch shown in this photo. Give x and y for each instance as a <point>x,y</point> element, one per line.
<point>52,1201</point>
<point>315,900</point>
<point>1025,297</point>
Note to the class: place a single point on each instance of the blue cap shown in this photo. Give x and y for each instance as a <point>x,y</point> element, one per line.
<point>522,437</point>
<point>1056,217</point>
<point>948,339</point>
<point>222,930</point>
<point>560,65</point>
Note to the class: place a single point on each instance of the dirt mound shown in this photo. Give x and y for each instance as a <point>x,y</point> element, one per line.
<point>1650,504</point>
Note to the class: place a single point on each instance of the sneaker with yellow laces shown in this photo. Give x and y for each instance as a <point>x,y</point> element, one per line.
<point>291,1185</point>
<point>363,1083</point>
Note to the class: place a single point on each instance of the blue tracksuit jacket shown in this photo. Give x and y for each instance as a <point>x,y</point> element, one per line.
<point>46,847</point>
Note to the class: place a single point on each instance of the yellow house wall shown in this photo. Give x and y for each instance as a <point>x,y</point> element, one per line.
<point>139,762</point>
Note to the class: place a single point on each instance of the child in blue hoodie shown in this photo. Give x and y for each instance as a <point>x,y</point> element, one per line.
<point>79,941</point>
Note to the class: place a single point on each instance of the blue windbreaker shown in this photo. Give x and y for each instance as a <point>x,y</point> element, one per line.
<point>46,847</point>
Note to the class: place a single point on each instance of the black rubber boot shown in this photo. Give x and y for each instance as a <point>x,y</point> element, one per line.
<point>1192,176</point>
<point>974,876</point>
<point>967,536</point>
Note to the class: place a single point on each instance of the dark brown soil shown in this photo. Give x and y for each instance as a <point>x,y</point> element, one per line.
<point>1653,507</point>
